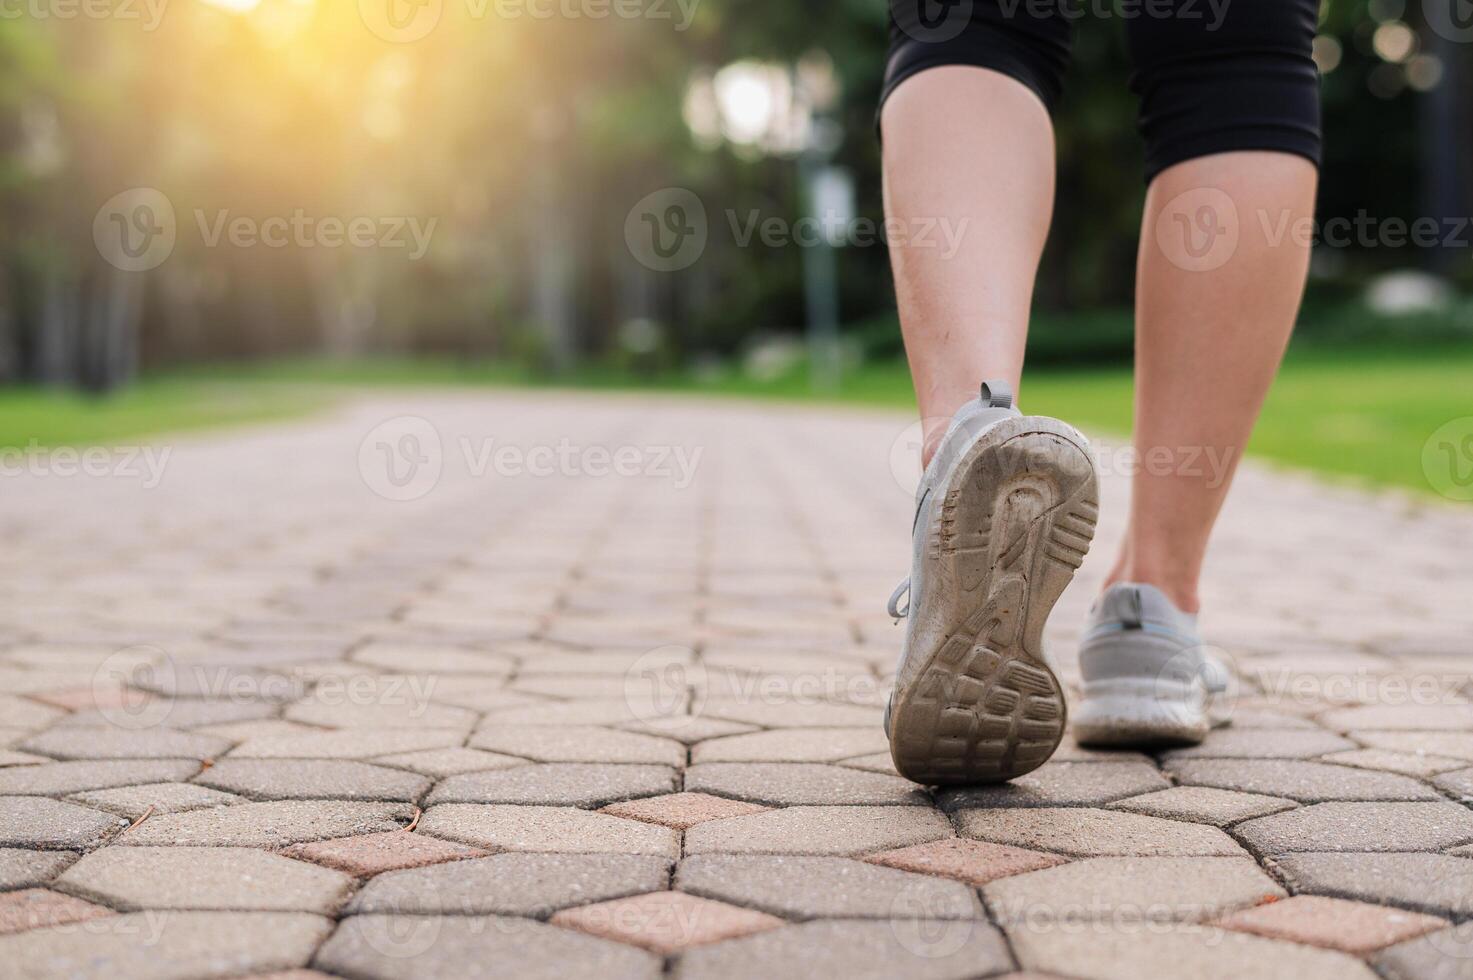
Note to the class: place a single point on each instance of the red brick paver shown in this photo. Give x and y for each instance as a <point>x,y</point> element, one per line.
<point>1352,927</point>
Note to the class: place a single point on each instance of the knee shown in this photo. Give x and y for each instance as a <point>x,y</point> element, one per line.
<point>1218,78</point>
<point>1032,47</point>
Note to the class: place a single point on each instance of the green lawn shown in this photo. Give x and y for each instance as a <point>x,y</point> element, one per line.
<point>1362,413</point>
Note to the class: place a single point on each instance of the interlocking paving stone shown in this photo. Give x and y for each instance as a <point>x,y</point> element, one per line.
<point>1361,827</point>
<point>403,715</point>
<point>797,714</point>
<point>864,950</point>
<point>62,778</point>
<point>10,758</point>
<point>388,947</point>
<point>681,810</point>
<point>33,821</point>
<point>134,801</point>
<point>1203,804</point>
<point>37,908</point>
<point>1406,763</point>
<point>1157,890</point>
<point>1062,784</point>
<point>121,743</point>
<point>973,861</point>
<point>804,887</point>
<point>1445,955</point>
<point>1351,927</point>
<point>874,762</point>
<point>546,828</point>
<point>688,729</point>
<point>313,779</point>
<point>370,854</point>
<point>788,783</point>
<point>433,660</point>
<point>1089,833</point>
<point>556,784</point>
<point>1439,884</point>
<point>793,745</point>
<point>20,868</point>
<point>1306,782</point>
<point>513,884</point>
<point>1456,745</point>
<point>1459,783</point>
<point>819,830</point>
<point>347,744</point>
<point>1403,717</point>
<point>1202,952</point>
<point>579,744</point>
<point>179,714</point>
<point>172,946</point>
<point>272,824</point>
<point>27,713</point>
<point>592,711</point>
<point>440,763</point>
<point>1263,743</point>
<point>666,922</point>
<point>205,878</point>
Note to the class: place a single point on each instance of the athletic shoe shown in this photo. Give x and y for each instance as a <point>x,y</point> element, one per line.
<point>1148,680</point>
<point>1004,515</point>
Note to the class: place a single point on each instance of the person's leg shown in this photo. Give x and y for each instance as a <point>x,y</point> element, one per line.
<point>969,153</point>
<point>969,187</point>
<point>1210,331</point>
<point>1006,509</point>
<point>1230,114</point>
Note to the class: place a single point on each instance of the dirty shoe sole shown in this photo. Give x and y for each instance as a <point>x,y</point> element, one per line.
<point>1014,522</point>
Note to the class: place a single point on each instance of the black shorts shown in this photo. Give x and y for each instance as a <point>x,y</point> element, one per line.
<point>1211,75</point>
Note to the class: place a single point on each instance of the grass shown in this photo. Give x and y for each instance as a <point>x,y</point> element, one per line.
<point>1362,412</point>
<point>42,417</point>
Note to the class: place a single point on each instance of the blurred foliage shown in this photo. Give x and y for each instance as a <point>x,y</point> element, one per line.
<point>525,140</point>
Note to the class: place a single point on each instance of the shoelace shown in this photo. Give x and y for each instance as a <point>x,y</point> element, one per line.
<point>896,613</point>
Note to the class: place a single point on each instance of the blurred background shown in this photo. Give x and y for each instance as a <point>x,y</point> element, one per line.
<point>220,210</point>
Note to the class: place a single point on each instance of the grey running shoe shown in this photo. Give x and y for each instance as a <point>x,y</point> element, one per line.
<point>1148,680</point>
<point>1004,515</point>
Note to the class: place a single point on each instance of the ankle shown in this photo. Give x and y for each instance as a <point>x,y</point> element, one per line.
<point>1180,589</point>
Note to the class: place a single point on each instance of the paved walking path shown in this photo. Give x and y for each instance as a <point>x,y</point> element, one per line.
<point>548,720</point>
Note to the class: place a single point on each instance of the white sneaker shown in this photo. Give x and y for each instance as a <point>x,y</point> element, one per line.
<point>1004,515</point>
<point>1148,680</point>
